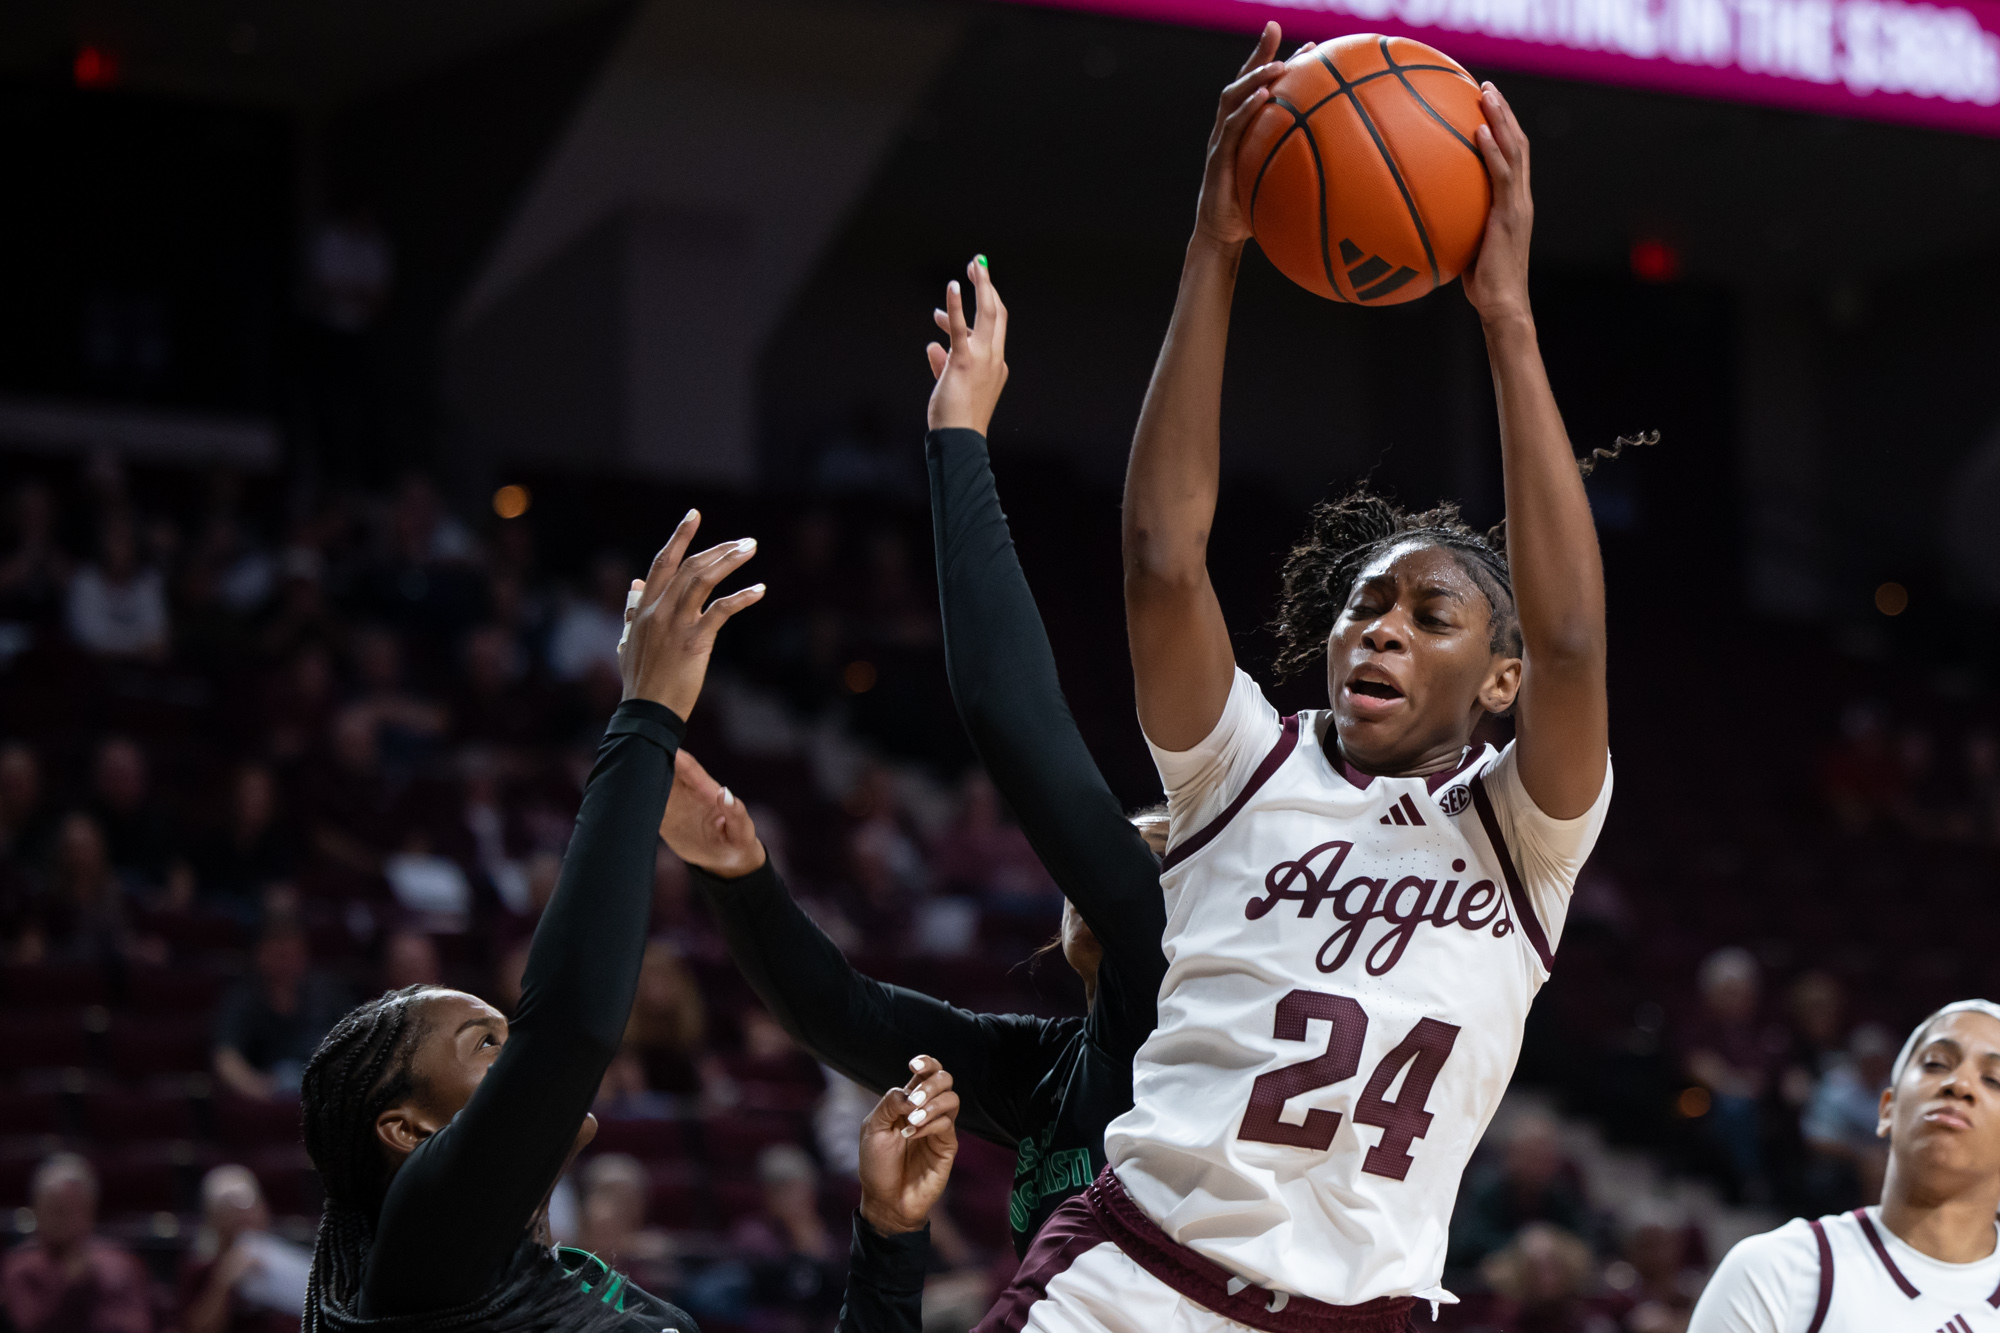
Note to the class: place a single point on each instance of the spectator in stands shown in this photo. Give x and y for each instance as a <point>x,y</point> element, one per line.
<point>1533,1183</point>
<point>584,639</point>
<point>1728,1053</point>
<point>239,1278</point>
<point>117,608</point>
<point>406,724</point>
<point>1543,1280</point>
<point>36,572</point>
<point>253,849</point>
<point>82,914</point>
<point>988,856</point>
<point>1839,1123</point>
<point>138,833</point>
<point>1859,776</point>
<point>410,958</point>
<point>351,801</point>
<point>26,823</point>
<point>299,704</point>
<point>613,1227</point>
<point>668,1022</point>
<point>1657,1274</point>
<point>800,1264</point>
<point>1817,1008</point>
<point>64,1278</point>
<point>270,1022</point>
<point>494,705</point>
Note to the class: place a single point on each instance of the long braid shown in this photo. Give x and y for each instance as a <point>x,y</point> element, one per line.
<point>363,1067</point>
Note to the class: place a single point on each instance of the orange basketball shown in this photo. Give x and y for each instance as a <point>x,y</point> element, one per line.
<point>1361,177</point>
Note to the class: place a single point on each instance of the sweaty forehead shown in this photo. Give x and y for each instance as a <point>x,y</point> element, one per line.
<point>1418,561</point>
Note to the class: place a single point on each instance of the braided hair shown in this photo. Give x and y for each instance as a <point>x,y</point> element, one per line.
<point>364,1066</point>
<point>1344,536</point>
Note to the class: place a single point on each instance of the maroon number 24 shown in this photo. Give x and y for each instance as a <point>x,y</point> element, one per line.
<point>1401,1121</point>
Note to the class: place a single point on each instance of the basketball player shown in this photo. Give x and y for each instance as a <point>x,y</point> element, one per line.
<point>1361,903</point>
<point>1926,1258</point>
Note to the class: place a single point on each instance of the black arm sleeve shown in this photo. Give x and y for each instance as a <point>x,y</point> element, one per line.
<point>459,1206</point>
<point>1003,677</point>
<point>868,1029</point>
<point>885,1281</point>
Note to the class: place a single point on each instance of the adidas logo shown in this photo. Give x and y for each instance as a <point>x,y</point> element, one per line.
<point>1402,808</point>
<point>1957,1325</point>
<point>1371,278</point>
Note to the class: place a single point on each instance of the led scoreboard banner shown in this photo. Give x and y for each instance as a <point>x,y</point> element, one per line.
<point>1917,63</point>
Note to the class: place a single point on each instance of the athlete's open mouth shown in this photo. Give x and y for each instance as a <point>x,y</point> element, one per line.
<point>1374,689</point>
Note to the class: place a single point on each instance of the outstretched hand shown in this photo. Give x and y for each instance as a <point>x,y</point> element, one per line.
<point>1218,217</point>
<point>670,625</point>
<point>908,1143</point>
<point>973,370</point>
<point>706,826</point>
<point>1497,281</point>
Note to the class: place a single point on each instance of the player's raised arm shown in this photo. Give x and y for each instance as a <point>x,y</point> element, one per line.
<point>1552,551</point>
<point>1181,658</point>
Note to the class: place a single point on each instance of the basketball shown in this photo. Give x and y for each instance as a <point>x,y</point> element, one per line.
<point>1361,178</point>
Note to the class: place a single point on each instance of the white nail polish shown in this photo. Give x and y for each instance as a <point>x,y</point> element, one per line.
<point>918,1117</point>
<point>919,1097</point>
<point>756,587</point>
<point>905,1131</point>
<point>728,796</point>
<point>917,1064</point>
<point>747,544</point>
<point>632,598</point>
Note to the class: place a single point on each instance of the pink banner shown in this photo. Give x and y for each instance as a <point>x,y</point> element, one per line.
<point>1921,64</point>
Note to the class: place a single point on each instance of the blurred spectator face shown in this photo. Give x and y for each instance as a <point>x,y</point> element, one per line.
<point>256,799</point>
<point>1534,1153</point>
<point>1657,1252</point>
<point>83,865</point>
<point>378,659</point>
<point>544,872</point>
<point>614,1201</point>
<point>20,782</point>
<point>1544,1266</point>
<point>1817,1006</point>
<point>1729,986</point>
<point>764,1038</point>
<point>354,746</point>
<point>979,803</point>
<point>624,1077</point>
<point>282,958</point>
<point>1873,1050</point>
<point>667,1010</point>
<point>121,774</point>
<point>65,1202</point>
<point>410,959</point>
<point>790,1181</point>
<point>232,1203</point>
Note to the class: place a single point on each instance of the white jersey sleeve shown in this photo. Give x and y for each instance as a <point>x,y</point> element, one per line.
<point>1766,1284</point>
<point>1548,853</point>
<point>1201,782</point>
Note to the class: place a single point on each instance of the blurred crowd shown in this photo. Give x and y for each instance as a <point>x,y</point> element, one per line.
<point>259,759</point>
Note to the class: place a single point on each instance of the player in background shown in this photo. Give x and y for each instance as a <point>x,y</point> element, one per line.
<point>1361,905</point>
<point>1043,1087</point>
<point>1929,1256</point>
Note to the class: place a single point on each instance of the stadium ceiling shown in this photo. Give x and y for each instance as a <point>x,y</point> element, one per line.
<point>298,54</point>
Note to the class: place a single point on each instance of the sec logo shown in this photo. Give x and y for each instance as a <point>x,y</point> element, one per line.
<point>1454,801</point>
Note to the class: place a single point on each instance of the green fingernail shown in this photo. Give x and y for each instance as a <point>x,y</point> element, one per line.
<point>981,261</point>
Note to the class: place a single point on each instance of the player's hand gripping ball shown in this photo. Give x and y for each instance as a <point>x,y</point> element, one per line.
<point>1361,177</point>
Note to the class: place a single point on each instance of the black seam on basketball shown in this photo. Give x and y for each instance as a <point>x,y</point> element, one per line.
<point>1396,174</point>
<point>1319,196</point>
<point>1388,284</point>
<point>1411,89</point>
<point>1257,185</point>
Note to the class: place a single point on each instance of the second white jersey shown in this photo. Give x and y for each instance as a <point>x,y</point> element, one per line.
<point>1350,961</point>
<point>1846,1273</point>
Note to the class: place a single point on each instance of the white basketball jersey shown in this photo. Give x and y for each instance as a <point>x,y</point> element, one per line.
<point>1846,1273</point>
<point>1350,961</point>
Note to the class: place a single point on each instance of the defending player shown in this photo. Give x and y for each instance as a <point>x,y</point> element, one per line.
<point>1360,904</point>
<point>1927,1258</point>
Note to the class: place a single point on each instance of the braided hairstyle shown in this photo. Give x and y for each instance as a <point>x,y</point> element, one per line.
<point>362,1068</point>
<point>1343,536</point>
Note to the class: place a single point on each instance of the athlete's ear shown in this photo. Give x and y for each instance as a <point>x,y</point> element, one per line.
<point>401,1128</point>
<point>1884,1113</point>
<point>1502,683</point>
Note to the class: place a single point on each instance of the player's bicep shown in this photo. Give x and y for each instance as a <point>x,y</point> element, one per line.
<point>1202,780</point>
<point>1182,660</point>
<point>1562,733</point>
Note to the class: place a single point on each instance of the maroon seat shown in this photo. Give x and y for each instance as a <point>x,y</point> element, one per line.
<point>730,1143</point>
<point>676,1197</point>
<point>784,1098</point>
<point>146,1046</point>
<point>128,1115</point>
<point>241,1124</point>
<point>147,1177</point>
<point>173,990</point>
<point>649,1140</point>
<point>190,933</point>
<point>30,1112</point>
<point>736,1200</point>
<point>53,985</point>
<point>42,1041</point>
<point>291,1186</point>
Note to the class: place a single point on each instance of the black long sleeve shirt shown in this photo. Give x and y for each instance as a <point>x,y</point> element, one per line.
<point>1045,1087</point>
<point>459,1207</point>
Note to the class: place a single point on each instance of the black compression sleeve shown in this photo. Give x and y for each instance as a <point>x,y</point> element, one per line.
<point>885,1281</point>
<point>867,1029</point>
<point>1003,677</point>
<point>458,1207</point>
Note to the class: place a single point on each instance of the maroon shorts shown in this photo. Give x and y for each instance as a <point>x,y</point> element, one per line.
<point>1105,1212</point>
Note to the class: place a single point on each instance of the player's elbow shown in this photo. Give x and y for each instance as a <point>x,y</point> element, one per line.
<point>1159,563</point>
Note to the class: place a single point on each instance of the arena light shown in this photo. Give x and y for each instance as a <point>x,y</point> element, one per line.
<point>511,501</point>
<point>1921,64</point>
<point>1654,260</point>
<point>95,67</point>
<point>1892,599</point>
